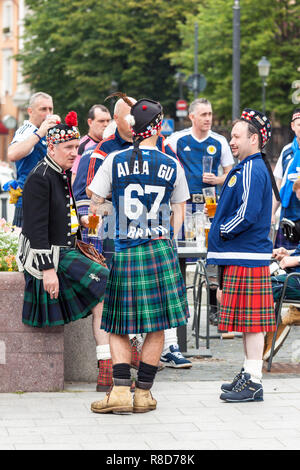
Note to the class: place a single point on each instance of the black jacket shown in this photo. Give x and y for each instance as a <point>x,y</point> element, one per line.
<point>47,217</point>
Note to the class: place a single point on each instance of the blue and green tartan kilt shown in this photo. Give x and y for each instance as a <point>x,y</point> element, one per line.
<point>81,286</point>
<point>145,290</point>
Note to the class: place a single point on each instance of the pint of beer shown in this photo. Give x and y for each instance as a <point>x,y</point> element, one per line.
<point>93,225</point>
<point>206,229</point>
<point>210,201</point>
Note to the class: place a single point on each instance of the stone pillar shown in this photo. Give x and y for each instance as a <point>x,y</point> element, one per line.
<point>80,352</point>
<point>31,359</point>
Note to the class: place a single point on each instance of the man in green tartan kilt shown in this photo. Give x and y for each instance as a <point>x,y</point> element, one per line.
<point>61,284</point>
<point>145,291</point>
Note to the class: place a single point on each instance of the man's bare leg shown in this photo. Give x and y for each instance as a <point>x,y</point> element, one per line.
<point>104,379</point>
<point>120,348</point>
<point>152,347</point>
<point>101,336</point>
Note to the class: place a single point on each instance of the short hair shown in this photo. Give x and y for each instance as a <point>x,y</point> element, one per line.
<point>251,130</point>
<point>38,95</point>
<point>91,113</point>
<point>196,102</point>
<point>296,185</point>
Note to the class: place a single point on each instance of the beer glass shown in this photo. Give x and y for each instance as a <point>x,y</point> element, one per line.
<point>207,161</point>
<point>210,201</point>
<point>93,225</point>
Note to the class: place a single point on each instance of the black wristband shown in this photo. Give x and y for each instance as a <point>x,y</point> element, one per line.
<point>40,138</point>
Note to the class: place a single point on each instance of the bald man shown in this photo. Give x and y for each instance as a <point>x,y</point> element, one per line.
<point>121,139</point>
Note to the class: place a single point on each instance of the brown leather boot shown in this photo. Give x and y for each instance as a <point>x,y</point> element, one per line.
<point>118,401</point>
<point>143,401</point>
<point>292,317</point>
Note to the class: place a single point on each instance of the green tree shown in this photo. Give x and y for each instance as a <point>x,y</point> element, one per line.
<point>73,50</point>
<point>269,28</point>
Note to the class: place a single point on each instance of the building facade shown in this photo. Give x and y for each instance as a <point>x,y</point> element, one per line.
<point>14,95</point>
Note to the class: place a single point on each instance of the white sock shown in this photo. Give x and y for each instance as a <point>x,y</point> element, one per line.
<point>103,352</point>
<point>254,368</point>
<point>170,338</point>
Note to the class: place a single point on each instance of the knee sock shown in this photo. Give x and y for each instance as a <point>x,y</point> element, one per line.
<point>121,374</point>
<point>103,352</point>
<point>146,375</point>
<point>170,338</point>
<point>254,368</point>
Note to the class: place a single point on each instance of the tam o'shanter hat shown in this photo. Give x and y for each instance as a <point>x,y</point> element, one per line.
<point>63,132</point>
<point>296,114</point>
<point>147,118</point>
<point>263,125</point>
<point>260,121</point>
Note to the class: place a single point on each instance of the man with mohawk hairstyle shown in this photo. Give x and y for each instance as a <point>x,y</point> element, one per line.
<point>121,139</point>
<point>145,292</point>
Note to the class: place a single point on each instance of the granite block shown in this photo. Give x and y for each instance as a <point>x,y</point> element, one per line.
<point>31,359</point>
<point>80,351</point>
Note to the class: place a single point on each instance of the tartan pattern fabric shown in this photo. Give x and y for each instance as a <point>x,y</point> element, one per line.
<point>136,348</point>
<point>105,376</point>
<point>145,290</point>
<point>247,300</point>
<point>81,286</point>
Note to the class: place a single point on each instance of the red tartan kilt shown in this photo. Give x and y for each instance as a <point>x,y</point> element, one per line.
<point>247,300</point>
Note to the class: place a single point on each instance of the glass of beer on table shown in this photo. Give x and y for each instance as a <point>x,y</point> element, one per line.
<point>207,226</point>
<point>210,201</point>
<point>189,227</point>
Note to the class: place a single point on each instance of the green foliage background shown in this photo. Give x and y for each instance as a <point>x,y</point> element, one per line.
<point>74,50</point>
<point>269,28</point>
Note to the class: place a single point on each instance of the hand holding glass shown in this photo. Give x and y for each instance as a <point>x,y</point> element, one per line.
<point>210,201</point>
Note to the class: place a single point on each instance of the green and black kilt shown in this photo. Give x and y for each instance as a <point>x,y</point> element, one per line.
<point>81,286</point>
<point>145,290</point>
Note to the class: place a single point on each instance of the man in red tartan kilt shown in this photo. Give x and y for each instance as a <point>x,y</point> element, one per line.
<point>239,244</point>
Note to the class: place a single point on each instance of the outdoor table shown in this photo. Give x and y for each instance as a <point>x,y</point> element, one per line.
<point>186,249</point>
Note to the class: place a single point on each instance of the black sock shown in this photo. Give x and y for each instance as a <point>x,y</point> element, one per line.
<point>146,375</point>
<point>121,371</point>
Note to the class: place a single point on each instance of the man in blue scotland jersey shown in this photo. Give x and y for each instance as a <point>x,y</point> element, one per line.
<point>28,146</point>
<point>145,293</point>
<point>190,145</point>
<point>285,172</point>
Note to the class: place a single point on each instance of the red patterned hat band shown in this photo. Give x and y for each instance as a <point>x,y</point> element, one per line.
<point>260,121</point>
<point>296,115</point>
<point>151,130</point>
<point>63,132</point>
